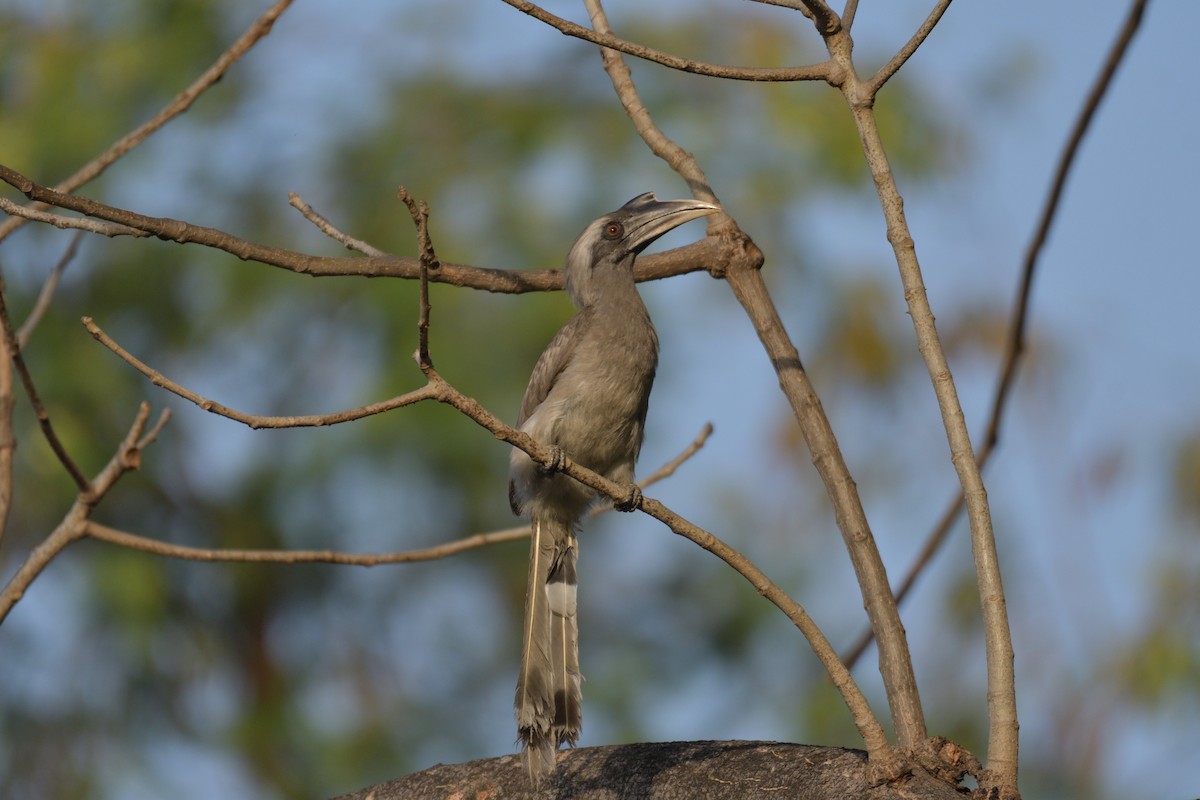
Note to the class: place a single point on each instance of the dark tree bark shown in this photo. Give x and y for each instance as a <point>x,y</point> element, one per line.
<point>670,771</point>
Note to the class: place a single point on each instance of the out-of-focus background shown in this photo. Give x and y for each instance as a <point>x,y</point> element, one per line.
<point>128,676</point>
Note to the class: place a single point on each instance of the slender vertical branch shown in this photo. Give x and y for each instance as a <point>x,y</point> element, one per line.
<point>13,352</point>
<point>897,61</point>
<point>1002,705</point>
<point>42,304</point>
<point>1016,340</point>
<point>1015,345</point>
<point>429,262</point>
<point>745,279</point>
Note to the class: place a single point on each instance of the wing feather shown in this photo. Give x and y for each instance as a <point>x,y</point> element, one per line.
<point>550,365</point>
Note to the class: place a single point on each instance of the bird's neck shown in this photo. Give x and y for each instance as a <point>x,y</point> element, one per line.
<point>614,292</point>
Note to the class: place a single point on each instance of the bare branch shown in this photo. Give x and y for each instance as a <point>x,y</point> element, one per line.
<point>156,547</point>
<point>1001,694</point>
<point>848,12</point>
<point>74,525</point>
<point>1016,339</point>
<point>827,22</point>
<point>745,279</point>
<point>182,101</point>
<point>64,223</point>
<point>794,5</point>
<point>814,72</point>
<point>255,421</point>
<point>18,360</point>
<point>708,254</point>
<point>327,228</point>
<point>897,61</point>
<point>429,263</point>
<point>678,159</point>
<point>668,469</point>
<point>42,304</point>
<point>1015,346</point>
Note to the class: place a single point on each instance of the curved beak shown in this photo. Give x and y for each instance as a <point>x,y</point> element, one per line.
<point>649,218</point>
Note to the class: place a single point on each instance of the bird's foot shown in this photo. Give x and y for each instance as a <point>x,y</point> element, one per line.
<point>632,501</point>
<point>555,464</point>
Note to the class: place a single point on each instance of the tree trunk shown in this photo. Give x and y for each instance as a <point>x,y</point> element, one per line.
<point>670,771</point>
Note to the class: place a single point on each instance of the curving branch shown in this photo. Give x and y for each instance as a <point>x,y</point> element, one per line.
<point>255,421</point>
<point>1015,344</point>
<point>42,304</point>
<point>813,72</point>
<point>326,227</point>
<point>158,547</point>
<point>181,103</point>
<point>13,354</point>
<point>1001,775</point>
<point>897,61</point>
<point>708,255</point>
<point>73,527</point>
<point>746,282</point>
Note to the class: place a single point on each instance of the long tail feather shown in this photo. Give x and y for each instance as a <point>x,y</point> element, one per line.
<point>535,693</point>
<point>561,594</point>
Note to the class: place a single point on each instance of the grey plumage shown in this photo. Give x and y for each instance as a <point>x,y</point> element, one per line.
<point>588,396</point>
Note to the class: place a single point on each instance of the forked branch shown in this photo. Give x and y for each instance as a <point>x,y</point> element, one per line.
<point>745,279</point>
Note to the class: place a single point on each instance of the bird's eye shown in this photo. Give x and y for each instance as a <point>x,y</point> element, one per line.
<point>614,230</point>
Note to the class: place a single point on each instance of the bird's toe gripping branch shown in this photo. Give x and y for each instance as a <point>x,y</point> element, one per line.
<point>556,462</point>
<point>632,501</point>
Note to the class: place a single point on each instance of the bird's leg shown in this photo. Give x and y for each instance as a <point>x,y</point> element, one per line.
<point>631,501</point>
<point>555,464</point>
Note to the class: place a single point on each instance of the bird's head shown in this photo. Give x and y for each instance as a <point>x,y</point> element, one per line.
<point>608,246</point>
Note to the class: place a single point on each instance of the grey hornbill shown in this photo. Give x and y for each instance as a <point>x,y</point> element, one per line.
<point>587,399</point>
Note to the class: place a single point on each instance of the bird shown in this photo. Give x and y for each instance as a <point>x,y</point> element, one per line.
<point>587,400</point>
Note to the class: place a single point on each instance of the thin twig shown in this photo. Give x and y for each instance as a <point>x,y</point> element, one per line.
<point>74,524</point>
<point>42,304</point>
<point>18,360</point>
<point>68,223</point>
<point>1015,346</point>
<point>182,101</point>
<point>148,545</point>
<point>848,12</point>
<point>668,469</point>
<point>706,255</point>
<point>255,421</point>
<point>1016,340</point>
<point>476,541</point>
<point>813,72</point>
<point>661,145</point>
<point>794,5</point>
<point>429,263</point>
<point>897,61</point>
<point>327,228</point>
<point>688,168</point>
